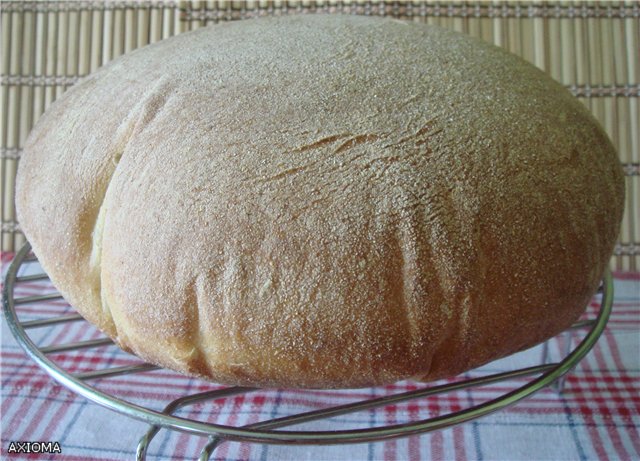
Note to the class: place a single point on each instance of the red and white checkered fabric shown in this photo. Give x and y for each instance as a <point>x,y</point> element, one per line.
<point>597,416</point>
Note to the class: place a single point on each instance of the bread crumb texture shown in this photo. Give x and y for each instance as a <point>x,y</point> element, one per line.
<point>321,201</point>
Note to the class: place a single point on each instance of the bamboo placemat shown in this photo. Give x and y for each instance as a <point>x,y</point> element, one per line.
<point>591,47</point>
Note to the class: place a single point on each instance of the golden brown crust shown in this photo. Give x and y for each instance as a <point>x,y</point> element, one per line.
<point>321,201</point>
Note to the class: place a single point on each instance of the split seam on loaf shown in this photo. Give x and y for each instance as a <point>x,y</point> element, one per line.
<point>139,118</point>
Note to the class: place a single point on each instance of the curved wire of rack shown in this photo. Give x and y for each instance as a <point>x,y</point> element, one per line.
<point>267,431</point>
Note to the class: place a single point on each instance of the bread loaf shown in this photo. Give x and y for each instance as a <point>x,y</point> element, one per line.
<point>321,201</point>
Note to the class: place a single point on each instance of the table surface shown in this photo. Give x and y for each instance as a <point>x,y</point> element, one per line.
<point>597,415</point>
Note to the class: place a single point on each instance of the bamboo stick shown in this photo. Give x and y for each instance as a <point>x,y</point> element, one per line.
<point>7,33</point>
<point>32,104</point>
<point>514,38</point>
<point>97,34</point>
<point>4,90</point>
<point>486,28</point>
<point>554,47</point>
<point>527,45</point>
<point>50,56</point>
<point>85,45</point>
<point>582,59</point>
<point>28,58</point>
<point>608,69</point>
<point>214,9</point>
<point>622,146</point>
<point>13,123</point>
<point>619,75</point>
<point>73,45</point>
<point>142,27</point>
<point>474,27</point>
<point>39,64</point>
<point>25,109</point>
<point>119,33</point>
<point>181,25</point>
<point>108,28</point>
<point>432,19</point>
<point>168,22</point>
<point>568,51</point>
<point>632,41</point>
<point>540,41</point>
<point>8,96</point>
<point>632,45</point>
<point>62,48</point>
<point>195,7</point>
<point>460,24</point>
<point>27,65</point>
<point>596,63</point>
<point>620,116</point>
<point>129,29</point>
<point>444,20</point>
<point>223,9</point>
<point>155,24</point>
<point>15,62</point>
<point>499,27</point>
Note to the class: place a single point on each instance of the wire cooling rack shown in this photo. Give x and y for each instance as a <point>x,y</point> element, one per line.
<point>270,431</point>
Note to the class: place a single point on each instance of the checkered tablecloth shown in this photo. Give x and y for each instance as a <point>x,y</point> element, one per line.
<point>597,416</point>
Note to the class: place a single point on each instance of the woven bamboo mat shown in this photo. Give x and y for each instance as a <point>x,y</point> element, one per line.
<point>591,47</point>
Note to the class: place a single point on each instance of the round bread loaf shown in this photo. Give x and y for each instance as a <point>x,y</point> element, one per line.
<point>321,201</point>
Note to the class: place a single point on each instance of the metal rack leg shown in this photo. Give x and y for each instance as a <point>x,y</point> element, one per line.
<point>566,349</point>
<point>145,440</point>
<point>209,448</point>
